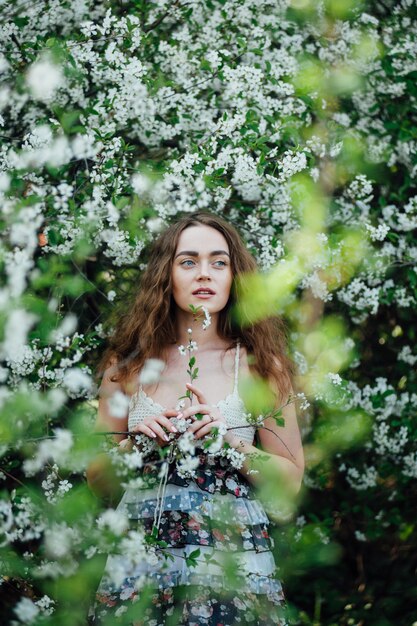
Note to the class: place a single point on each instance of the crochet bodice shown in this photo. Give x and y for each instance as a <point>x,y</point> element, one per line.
<point>231,407</point>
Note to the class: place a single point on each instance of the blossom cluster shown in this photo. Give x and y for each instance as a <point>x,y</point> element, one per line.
<point>116,120</point>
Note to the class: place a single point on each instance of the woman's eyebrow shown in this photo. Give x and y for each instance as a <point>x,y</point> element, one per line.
<point>194,253</point>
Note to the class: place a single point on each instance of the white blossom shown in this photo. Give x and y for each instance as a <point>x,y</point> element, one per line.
<point>77,381</point>
<point>26,610</point>
<point>46,605</point>
<point>17,326</point>
<point>407,356</point>
<point>118,404</point>
<point>116,521</point>
<point>65,329</point>
<point>54,449</point>
<point>151,371</point>
<point>111,295</point>
<point>365,479</point>
<point>43,78</point>
<point>334,378</point>
<point>377,233</point>
<point>59,539</point>
<point>207,318</point>
<point>140,183</point>
<point>410,465</point>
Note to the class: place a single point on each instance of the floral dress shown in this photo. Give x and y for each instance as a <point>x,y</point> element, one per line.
<point>215,566</point>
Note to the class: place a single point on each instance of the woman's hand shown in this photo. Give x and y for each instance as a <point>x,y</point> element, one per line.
<point>212,418</point>
<point>153,426</point>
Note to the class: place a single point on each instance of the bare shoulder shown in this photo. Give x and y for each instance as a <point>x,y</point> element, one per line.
<point>108,382</point>
<point>109,387</point>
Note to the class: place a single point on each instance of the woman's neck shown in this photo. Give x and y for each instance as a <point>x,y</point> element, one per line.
<point>208,337</point>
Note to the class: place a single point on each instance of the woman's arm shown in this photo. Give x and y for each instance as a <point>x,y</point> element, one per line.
<point>281,452</point>
<point>105,420</point>
<point>101,476</point>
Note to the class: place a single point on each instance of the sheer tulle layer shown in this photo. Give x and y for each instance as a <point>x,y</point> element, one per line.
<point>178,528</point>
<point>213,475</point>
<point>246,570</point>
<point>226,508</point>
<point>198,605</point>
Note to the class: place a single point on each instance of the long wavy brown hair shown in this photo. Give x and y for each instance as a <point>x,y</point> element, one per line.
<point>147,325</point>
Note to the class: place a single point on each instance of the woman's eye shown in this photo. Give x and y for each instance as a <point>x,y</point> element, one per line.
<point>190,261</point>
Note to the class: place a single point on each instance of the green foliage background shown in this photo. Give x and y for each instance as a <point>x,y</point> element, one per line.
<point>297,122</point>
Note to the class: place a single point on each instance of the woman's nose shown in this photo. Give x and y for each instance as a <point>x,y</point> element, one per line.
<point>204,271</point>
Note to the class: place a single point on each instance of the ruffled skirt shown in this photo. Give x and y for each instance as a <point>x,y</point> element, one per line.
<point>214,566</point>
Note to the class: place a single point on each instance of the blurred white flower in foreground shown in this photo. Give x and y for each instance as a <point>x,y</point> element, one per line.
<point>54,449</point>
<point>207,318</point>
<point>4,181</point>
<point>15,333</point>
<point>66,328</point>
<point>151,371</point>
<point>59,539</point>
<point>43,79</point>
<point>114,521</point>
<point>26,610</point>
<point>140,183</point>
<point>118,404</point>
<point>76,380</point>
<point>155,224</point>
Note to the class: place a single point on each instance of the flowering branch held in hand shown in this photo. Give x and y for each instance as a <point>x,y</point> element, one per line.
<point>192,347</point>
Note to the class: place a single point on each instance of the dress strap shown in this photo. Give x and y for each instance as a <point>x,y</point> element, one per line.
<point>236,366</point>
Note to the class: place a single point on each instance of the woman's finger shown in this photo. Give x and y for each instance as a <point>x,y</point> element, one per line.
<point>206,430</point>
<point>196,391</point>
<point>126,444</point>
<point>143,428</point>
<point>197,424</point>
<point>164,421</point>
<point>156,428</point>
<point>196,408</point>
<point>172,413</point>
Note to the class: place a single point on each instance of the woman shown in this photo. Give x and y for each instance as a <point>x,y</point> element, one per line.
<point>212,524</point>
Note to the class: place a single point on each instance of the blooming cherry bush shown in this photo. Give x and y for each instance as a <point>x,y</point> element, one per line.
<point>295,121</point>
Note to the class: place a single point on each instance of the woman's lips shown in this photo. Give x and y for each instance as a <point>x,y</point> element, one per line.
<point>204,296</point>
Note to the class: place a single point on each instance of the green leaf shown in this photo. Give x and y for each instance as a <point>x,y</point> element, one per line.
<point>205,65</point>
<point>21,21</point>
<point>195,554</point>
<point>192,558</point>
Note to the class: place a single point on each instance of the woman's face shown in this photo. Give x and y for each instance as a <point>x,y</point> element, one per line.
<point>201,262</point>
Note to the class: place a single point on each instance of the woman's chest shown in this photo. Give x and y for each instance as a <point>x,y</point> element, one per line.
<point>215,376</point>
